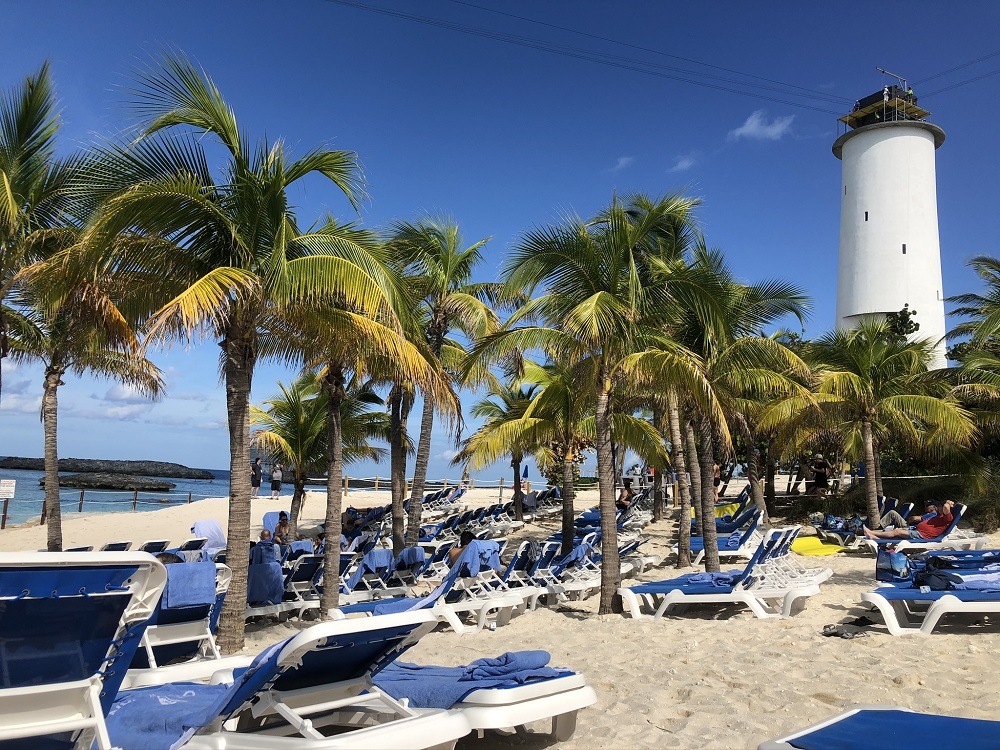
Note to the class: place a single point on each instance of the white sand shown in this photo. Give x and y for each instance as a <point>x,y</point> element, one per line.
<point>712,678</point>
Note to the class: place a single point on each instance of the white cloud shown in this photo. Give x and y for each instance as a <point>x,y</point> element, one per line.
<point>448,454</point>
<point>623,163</point>
<point>18,402</point>
<point>212,425</point>
<point>683,163</point>
<point>758,128</point>
<point>127,412</point>
<point>15,386</point>
<point>125,394</point>
<point>190,396</point>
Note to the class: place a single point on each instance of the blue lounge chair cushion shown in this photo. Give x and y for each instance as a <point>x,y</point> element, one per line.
<point>189,585</point>
<point>901,730</point>
<point>907,593</point>
<point>443,687</point>
<point>303,545</point>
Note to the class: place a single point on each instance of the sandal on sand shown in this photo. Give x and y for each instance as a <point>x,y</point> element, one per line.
<point>861,621</point>
<point>848,636</point>
<point>831,630</point>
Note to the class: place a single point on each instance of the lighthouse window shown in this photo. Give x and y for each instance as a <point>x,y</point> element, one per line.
<point>904,248</point>
<point>866,216</point>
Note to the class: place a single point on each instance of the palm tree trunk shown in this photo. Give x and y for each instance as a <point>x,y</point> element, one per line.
<point>708,497</point>
<point>518,498</point>
<point>878,469</point>
<point>50,411</point>
<point>334,386</point>
<point>420,472</point>
<point>398,412</point>
<point>694,472</point>
<point>680,466</point>
<point>238,371</point>
<point>770,469</point>
<point>610,564</point>
<point>871,489</point>
<point>299,479</point>
<point>568,496</point>
<point>753,478</point>
<point>659,420</point>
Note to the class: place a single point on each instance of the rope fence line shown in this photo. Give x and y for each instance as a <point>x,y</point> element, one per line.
<point>166,498</point>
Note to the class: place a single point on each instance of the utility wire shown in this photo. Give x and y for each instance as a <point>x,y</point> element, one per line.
<point>830,97</point>
<point>950,70</point>
<point>603,59</point>
<point>962,83</point>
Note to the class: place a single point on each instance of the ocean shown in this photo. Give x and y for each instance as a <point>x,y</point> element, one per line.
<point>28,496</point>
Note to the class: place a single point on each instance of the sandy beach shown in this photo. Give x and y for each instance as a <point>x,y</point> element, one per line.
<point>712,678</point>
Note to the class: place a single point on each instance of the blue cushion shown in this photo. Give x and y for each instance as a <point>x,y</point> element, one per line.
<point>901,730</point>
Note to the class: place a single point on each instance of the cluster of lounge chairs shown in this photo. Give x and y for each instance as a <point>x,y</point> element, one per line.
<point>72,624</point>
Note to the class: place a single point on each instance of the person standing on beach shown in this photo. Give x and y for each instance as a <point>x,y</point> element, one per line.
<point>256,475</point>
<point>276,480</point>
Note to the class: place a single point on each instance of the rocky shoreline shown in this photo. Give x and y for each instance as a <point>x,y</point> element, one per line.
<point>108,481</point>
<point>99,466</point>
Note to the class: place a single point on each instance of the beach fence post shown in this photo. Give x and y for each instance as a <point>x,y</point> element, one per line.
<point>80,509</point>
<point>3,518</point>
<point>347,484</point>
<point>501,488</point>
<point>472,483</point>
<point>135,499</point>
<point>44,511</point>
<point>376,482</point>
<point>189,498</point>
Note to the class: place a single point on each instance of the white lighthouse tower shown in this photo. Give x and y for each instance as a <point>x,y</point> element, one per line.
<point>890,254</point>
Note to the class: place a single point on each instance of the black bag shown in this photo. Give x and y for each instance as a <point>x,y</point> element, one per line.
<point>933,579</point>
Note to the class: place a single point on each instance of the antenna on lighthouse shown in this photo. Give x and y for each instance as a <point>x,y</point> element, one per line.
<point>899,78</point>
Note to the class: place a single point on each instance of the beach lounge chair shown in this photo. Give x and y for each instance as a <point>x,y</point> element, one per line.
<point>77,549</point>
<point>331,686</point>
<point>215,539</point>
<point>154,546</point>
<point>69,626</point>
<point>891,728</point>
<point>951,538</point>
<point>909,611</point>
<point>186,614</point>
<point>116,547</point>
<point>736,544</point>
<point>762,585</point>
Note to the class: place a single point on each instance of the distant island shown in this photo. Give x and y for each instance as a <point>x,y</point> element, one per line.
<point>105,481</point>
<point>92,465</point>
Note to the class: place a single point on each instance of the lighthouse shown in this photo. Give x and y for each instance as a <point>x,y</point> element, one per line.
<point>890,253</point>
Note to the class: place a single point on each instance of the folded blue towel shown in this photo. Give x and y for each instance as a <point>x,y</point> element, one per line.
<point>303,545</point>
<point>734,540</point>
<point>157,717</point>
<point>506,664</point>
<point>443,687</point>
<point>722,580</point>
<point>189,585</point>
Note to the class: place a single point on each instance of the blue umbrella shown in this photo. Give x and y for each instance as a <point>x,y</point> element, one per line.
<point>525,475</point>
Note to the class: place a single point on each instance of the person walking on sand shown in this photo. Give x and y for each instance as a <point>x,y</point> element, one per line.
<point>276,480</point>
<point>256,474</point>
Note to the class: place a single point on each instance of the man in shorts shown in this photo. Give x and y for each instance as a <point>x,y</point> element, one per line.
<point>929,528</point>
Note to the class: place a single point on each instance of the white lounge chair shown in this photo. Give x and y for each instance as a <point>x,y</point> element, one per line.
<point>69,626</point>
<point>909,611</point>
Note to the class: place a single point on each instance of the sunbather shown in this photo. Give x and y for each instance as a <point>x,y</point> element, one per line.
<point>892,518</point>
<point>456,552</point>
<point>926,529</point>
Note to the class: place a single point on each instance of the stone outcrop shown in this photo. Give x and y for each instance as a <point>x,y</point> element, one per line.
<point>91,465</point>
<point>108,481</point>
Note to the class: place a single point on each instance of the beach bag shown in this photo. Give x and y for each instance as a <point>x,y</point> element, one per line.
<point>934,580</point>
<point>891,567</point>
<point>855,524</point>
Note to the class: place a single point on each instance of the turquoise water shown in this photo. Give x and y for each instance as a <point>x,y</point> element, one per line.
<point>28,496</point>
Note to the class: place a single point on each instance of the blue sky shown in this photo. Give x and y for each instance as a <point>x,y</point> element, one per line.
<point>504,137</point>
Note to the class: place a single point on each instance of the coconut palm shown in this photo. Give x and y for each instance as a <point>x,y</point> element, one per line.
<point>33,193</point>
<point>292,429</point>
<point>219,254</point>
<point>78,329</point>
<point>494,440</point>
<point>874,385</point>
<point>603,299</point>
<point>439,274</point>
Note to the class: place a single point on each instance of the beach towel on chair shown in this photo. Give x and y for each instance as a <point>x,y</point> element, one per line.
<point>443,687</point>
<point>189,585</point>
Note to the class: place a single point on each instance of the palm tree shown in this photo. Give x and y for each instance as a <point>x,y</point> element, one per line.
<point>292,428</point>
<point>220,255</point>
<point>79,329</point>
<point>439,273</point>
<point>504,406</point>
<point>875,385</point>
<point>33,193</point>
<point>603,299</point>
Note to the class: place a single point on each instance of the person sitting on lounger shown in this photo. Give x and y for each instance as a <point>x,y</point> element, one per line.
<point>625,496</point>
<point>456,552</point>
<point>927,529</point>
<point>282,532</point>
<point>892,518</point>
